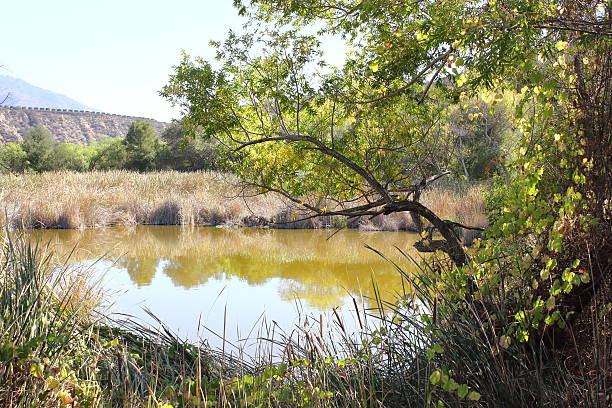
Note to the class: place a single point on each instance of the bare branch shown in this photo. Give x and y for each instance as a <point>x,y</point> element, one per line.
<point>467,227</point>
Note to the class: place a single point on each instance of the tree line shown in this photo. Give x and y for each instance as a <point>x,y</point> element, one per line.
<point>470,139</point>
<point>140,150</point>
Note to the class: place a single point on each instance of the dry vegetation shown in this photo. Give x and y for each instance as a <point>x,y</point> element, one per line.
<point>81,200</point>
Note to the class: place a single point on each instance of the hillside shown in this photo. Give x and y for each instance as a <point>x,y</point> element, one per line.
<point>65,125</point>
<point>17,92</point>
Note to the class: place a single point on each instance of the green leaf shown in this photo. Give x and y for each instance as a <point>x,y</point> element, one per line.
<point>462,391</point>
<point>435,377</point>
<point>473,396</point>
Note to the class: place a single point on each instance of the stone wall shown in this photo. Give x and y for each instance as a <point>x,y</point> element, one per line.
<point>66,125</point>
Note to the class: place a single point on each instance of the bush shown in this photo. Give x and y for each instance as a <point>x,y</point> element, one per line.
<point>38,146</point>
<point>108,154</point>
<point>12,158</point>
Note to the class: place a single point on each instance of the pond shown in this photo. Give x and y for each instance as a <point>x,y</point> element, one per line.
<point>232,280</point>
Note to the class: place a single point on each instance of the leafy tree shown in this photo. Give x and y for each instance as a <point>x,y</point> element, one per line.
<point>307,142</point>
<point>342,135</point>
<point>141,146</point>
<point>12,158</point>
<point>38,146</point>
<point>108,154</point>
<point>70,156</point>
<point>183,153</point>
<point>479,130</point>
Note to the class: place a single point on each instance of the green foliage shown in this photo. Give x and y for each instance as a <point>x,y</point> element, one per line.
<point>108,154</point>
<point>12,158</point>
<point>485,334</point>
<point>38,146</point>
<point>282,137</point>
<point>141,146</point>
<point>183,153</point>
<point>70,156</point>
<point>482,133</point>
<point>140,150</point>
<point>41,359</point>
<point>550,212</point>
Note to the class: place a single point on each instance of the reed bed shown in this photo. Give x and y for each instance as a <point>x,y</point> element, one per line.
<point>95,199</point>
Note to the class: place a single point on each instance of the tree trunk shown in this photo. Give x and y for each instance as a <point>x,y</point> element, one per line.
<point>465,170</point>
<point>454,248</point>
<point>416,218</point>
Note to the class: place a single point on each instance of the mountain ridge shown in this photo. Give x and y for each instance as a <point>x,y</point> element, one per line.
<point>17,92</point>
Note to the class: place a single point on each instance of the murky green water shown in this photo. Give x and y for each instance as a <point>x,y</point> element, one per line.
<point>229,279</point>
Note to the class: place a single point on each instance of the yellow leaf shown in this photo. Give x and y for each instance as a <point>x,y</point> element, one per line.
<point>461,80</point>
<point>420,36</point>
<point>561,45</point>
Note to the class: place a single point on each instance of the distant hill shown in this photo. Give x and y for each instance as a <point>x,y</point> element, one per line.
<point>17,92</point>
<point>66,125</point>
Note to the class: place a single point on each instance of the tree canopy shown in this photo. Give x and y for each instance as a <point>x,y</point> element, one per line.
<point>141,146</point>
<point>345,135</point>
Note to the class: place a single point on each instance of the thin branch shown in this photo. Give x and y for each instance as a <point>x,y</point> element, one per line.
<point>367,176</point>
<point>404,88</point>
<point>467,227</point>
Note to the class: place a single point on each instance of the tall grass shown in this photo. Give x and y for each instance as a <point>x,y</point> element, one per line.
<point>93,199</point>
<point>423,350</point>
<point>58,347</point>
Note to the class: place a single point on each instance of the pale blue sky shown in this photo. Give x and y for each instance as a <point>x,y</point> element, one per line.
<point>114,55</point>
<point>111,55</point>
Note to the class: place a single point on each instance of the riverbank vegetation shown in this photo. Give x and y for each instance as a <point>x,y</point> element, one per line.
<point>60,347</point>
<point>528,314</point>
<point>122,198</point>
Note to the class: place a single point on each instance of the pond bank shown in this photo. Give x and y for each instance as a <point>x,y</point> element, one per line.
<point>58,349</point>
<point>70,200</point>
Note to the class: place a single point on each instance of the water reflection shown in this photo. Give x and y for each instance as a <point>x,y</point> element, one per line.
<point>309,266</point>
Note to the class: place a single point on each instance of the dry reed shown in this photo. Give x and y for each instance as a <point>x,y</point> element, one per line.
<point>80,200</point>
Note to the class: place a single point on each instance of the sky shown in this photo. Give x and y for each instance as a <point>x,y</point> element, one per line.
<point>111,55</point>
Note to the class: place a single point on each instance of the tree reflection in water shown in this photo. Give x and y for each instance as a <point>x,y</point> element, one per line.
<point>313,268</point>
